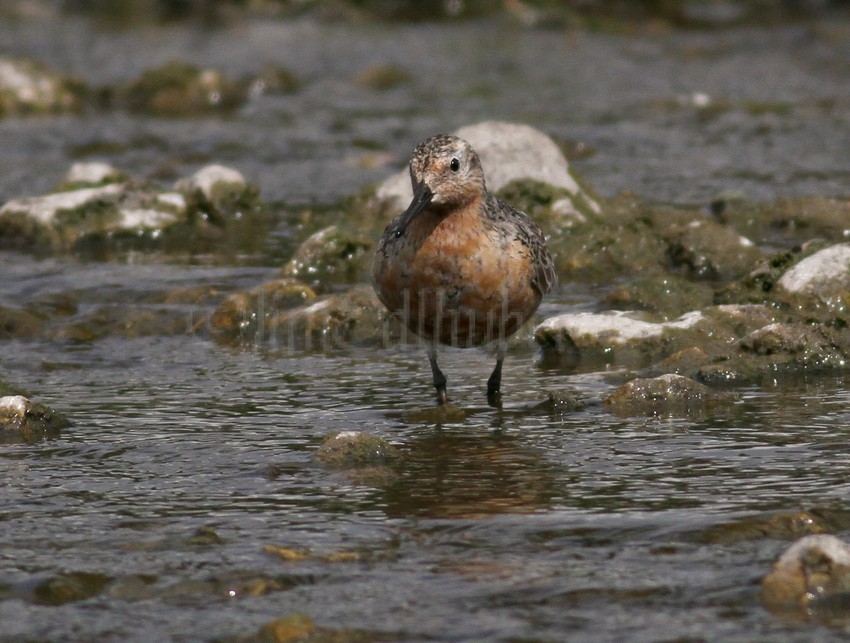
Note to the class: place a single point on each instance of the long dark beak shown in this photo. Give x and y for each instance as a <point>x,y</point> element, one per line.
<point>422,196</point>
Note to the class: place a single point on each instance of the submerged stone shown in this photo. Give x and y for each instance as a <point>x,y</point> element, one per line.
<point>783,525</point>
<point>20,323</point>
<point>561,403</point>
<point>334,321</point>
<point>353,449</point>
<point>274,79</point>
<point>127,322</point>
<point>247,316</point>
<point>294,627</point>
<point>69,587</point>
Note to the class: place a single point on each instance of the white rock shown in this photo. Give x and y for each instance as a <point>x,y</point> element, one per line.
<point>145,218</point>
<point>208,180</point>
<point>813,568</point>
<point>44,208</point>
<point>173,200</point>
<point>92,172</point>
<point>826,269</point>
<point>14,405</point>
<point>831,547</point>
<point>347,435</point>
<point>31,84</point>
<point>613,327</point>
<point>508,152</point>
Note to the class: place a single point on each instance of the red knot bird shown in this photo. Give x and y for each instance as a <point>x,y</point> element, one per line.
<point>459,266</point>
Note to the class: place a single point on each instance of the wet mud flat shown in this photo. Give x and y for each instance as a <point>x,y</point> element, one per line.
<point>212,431</point>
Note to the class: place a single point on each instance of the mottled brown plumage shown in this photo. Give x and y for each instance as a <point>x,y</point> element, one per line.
<point>459,266</point>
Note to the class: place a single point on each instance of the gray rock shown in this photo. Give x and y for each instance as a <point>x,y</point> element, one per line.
<point>820,281</point>
<point>509,152</point>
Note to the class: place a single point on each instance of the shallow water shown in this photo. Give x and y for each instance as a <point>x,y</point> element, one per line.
<point>521,523</point>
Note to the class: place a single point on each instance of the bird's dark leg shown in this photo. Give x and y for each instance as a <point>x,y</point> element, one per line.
<point>439,378</point>
<point>494,383</point>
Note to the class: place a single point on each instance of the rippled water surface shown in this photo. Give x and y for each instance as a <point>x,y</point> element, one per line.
<point>152,512</point>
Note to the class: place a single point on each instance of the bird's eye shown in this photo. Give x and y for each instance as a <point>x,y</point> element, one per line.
<point>454,165</point>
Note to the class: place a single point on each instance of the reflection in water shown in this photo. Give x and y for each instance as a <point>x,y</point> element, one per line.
<point>447,475</point>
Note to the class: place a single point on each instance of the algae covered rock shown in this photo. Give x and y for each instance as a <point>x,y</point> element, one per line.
<point>348,449</point>
<point>780,348</point>
<point>61,220</point>
<point>669,295</point>
<point>703,249</point>
<point>29,87</point>
<point>22,420</point>
<point>93,213</point>
<point>354,316</point>
<point>805,345</point>
<point>613,334</point>
<point>286,314</point>
<point>688,344</point>
<point>218,192</point>
<point>663,394</point>
<point>182,89</point>
<point>330,255</point>
<point>246,316</point>
<point>813,571</point>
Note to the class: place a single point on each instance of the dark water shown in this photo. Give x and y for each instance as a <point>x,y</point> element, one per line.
<point>512,524</point>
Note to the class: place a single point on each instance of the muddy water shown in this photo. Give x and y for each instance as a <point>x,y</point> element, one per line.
<point>148,518</point>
